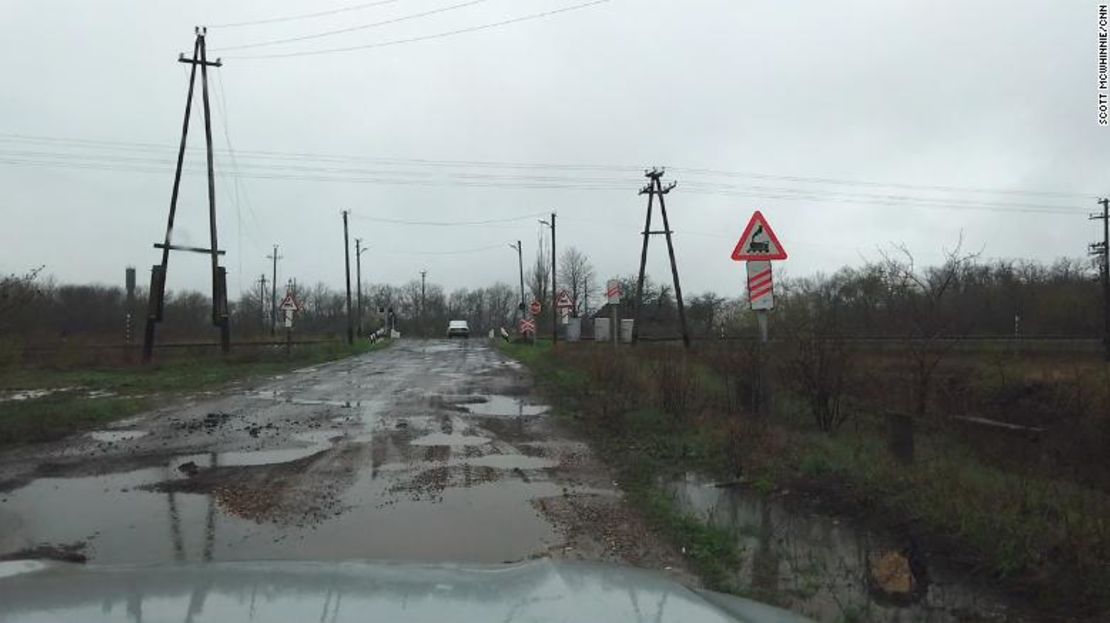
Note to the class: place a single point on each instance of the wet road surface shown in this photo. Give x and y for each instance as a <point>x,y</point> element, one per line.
<point>425,451</point>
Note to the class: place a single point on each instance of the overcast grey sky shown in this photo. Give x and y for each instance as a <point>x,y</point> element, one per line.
<point>977,94</point>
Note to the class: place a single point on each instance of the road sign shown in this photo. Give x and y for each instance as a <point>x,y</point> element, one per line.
<point>563,300</point>
<point>613,291</point>
<point>288,318</point>
<point>527,326</point>
<point>535,308</point>
<point>289,303</point>
<point>761,289</point>
<point>758,242</point>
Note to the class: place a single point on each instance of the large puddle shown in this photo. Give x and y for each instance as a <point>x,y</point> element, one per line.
<point>503,406</point>
<point>114,436</point>
<point>829,570</point>
<point>335,498</point>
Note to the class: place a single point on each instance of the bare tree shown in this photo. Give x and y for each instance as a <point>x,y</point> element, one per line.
<point>539,277</point>
<point>704,312</point>
<point>920,298</point>
<point>16,292</point>
<point>500,305</point>
<point>576,275</point>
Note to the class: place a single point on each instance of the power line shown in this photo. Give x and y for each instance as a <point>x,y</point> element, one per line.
<point>453,252</point>
<point>524,184</point>
<point>122,145</point>
<point>289,18</point>
<point>449,33</point>
<point>225,123</point>
<point>449,223</point>
<point>518,180</point>
<point>339,31</point>
<point>493,164</point>
<point>827,180</point>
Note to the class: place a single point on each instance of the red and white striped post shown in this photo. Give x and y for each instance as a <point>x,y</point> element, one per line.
<point>761,292</point>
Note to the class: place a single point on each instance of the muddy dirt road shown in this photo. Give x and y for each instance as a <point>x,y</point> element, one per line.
<point>426,451</point>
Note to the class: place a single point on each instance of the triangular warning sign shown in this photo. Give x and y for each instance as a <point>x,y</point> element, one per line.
<point>758,242</point>
<point>289,303</point>
<point>563,300</point>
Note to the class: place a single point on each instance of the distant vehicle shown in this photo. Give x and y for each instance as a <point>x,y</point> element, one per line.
<point>458,328</point>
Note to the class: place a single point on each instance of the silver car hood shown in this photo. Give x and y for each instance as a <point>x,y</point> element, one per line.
<point>331,592</point>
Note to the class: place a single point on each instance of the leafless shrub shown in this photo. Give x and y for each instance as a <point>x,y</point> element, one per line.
<point>819,367</point>
<point>736,361</point>
<point>677,386</point>
<point>818,362</point>
<point>614,385</point>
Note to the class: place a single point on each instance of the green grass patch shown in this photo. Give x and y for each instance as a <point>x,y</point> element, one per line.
<point>1042,534</point>
<point>134,389</point>
<point>58,415</point>
<point>711,551</point>
<point>650,442</point>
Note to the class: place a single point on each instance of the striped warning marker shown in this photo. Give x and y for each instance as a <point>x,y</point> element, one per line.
<point>760,285</point>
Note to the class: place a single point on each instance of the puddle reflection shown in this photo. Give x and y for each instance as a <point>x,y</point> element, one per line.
<point>829,570</point>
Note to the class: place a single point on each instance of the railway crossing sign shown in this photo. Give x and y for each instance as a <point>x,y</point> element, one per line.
<point>527,326</point>
<point>761,293</point>
<point>563,301</point>
<point>535,308</point>
<point>613,291</point>
<point>758,242</point>
<point>289,304</point>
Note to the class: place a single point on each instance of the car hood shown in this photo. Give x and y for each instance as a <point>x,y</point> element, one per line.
<point>275,592</point>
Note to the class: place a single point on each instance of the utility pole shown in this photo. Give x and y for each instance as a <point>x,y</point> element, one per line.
<point>273,293</point>
<point>359,250</point>
<point>520,260</point>
<point>1102,251</point>
<point>655,188</point>
<point>423,326</point>
<point>155,304</point>
<point>262,299</point>
<point>586,297</point>
<point>347,263</point>
<point>129,314</point>
<point>554,295</point>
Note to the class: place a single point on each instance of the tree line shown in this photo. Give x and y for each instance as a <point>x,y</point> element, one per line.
<point>888,297</point>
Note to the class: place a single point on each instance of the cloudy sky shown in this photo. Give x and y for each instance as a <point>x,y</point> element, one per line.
<point>846,123</point>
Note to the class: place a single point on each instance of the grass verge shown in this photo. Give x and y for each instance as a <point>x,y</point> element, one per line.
<point>652,415</point>
<point>125,391</point>
<point>650,448</point>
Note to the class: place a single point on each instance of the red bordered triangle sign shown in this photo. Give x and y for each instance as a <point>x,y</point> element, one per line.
<point>758,242</point>
<point>289,303</point>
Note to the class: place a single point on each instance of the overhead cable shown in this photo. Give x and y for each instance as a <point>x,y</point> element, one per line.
<point>339,31</point>
<point>448,33</point>
<point>288,18</point>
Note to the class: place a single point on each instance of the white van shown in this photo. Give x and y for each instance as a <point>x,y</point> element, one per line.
<point>458,328</point>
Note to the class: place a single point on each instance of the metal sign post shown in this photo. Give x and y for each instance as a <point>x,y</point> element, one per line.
<point>563,307</point>
<point>288,332</point>
<point>758,245</point>
<point>288,307</point>
<point>536,307</point>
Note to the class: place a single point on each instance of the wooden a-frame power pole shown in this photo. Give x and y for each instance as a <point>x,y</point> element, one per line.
<point>655,189</point>
<point>158,271</point>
